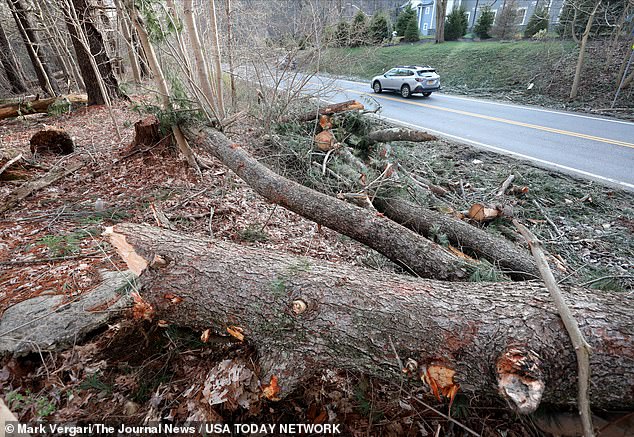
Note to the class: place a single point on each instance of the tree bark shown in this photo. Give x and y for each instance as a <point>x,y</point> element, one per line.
<point>34,49</point>
<point>92,46</point>
<point>441,11</point>
<point>215,58</point>
<point>36,106</point>
<point>9,64</point>
<point>399,134</point>
<point>582,52</point>
<point>404,247</point>
<point>510,259</point>
<point>305,315</point>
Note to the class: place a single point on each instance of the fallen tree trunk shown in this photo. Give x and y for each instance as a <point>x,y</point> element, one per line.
<point>511,259</point>
<point>305,315</point>
<point>349,105</point>
<point>401,245</point>
<point>37,106</point>
<point>399,134</point>
<point>29,188</point>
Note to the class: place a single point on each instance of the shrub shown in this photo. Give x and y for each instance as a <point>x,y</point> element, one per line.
<point>456,24</point>
<point>505,26</point>
<point>411,32</point>
<point>404,18</point>
<point>379,28</point>
<point>537,22</point>
<point>359,30</point>
<point>342,34</point>
<point>484,23</point>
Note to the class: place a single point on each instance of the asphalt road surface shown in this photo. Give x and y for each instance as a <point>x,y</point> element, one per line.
<point>595,148</point>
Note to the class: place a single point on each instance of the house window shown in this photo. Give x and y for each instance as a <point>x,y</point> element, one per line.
<point>425,26</point>
<point>427,10</point>
<point>468,17</point>
<point>521,16</point>
<point>495,13</point>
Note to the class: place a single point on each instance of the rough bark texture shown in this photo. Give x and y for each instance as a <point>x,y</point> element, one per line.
<point>97,50</point>
<point>371,321</point>
<point>406,248</point>
<point>399,134</point>
<point>514,260</point>
<point>9,64</point>
<point>37,54</point>
<point>56,141</point>
<point>35,106</point>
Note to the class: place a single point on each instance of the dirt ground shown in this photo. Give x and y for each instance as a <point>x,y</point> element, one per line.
<point>134,371</point>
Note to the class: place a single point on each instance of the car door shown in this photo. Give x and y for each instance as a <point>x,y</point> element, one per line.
<point>391,79</point>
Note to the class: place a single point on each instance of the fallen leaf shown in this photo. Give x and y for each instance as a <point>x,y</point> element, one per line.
<point>205,336</point>
<point>236,332</point>
<point>272,390</point>
<point>140,308</point>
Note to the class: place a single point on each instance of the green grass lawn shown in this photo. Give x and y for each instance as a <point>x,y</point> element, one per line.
<point>470,65</point>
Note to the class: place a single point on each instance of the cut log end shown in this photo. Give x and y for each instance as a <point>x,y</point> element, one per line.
<point>520,379</point>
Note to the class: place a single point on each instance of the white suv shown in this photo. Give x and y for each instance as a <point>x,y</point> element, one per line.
<point>408,80</point>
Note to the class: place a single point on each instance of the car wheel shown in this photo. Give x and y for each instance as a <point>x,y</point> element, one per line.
<point>377,87</point>
<point>405,91</point>
<point>427,94</point>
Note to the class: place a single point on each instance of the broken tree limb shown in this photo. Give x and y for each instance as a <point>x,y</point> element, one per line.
<point>10,162</point>
<point>579,343</point>
<point>399,134</point>
<point>30,187</point>
<point>509,258</point>
<point>413,252</point>
<point>349,105</point>
<point>360,319</point>
<point>37,106</point>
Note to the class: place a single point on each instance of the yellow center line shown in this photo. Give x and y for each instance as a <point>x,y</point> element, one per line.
<point>501,120</point>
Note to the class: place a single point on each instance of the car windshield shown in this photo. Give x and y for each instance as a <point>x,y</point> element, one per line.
<point>427,70</point>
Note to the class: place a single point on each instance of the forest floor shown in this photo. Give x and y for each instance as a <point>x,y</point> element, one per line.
<point>135,371</point>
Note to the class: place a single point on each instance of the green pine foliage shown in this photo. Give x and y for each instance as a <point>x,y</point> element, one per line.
<point>342,34</point>
<point>359,30</point>
<point>484,24</point>
<point>537,22</point>
<point>404,18</point>
<point>412,33</point>
<point>456,24</point>
<point>379,28</point>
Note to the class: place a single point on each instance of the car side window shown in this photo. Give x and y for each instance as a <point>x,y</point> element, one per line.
<point>408,73</point>
<point>392,72</point>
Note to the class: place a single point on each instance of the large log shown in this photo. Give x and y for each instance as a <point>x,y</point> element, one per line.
<point>399,134</point>
<point>403,246</point>
<point>511,259</point>
<point>305,315</point>
<point>37,106</point>
<point>348,105</point>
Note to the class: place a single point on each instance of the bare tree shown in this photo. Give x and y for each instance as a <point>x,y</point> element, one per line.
<point>582,49</point>
<point>10,65</point>
<point>34,48</point>
<point>441,11</point>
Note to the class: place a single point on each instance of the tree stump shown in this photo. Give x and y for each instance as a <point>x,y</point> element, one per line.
<point>56,141</point>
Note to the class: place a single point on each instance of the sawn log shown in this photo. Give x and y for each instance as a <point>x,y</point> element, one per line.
<point>304,315</point>
<point>36,106</point>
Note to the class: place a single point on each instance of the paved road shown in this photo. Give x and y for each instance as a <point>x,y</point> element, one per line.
<point>592,147</point>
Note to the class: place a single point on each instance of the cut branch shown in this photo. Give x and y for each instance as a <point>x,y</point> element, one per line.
<point>406,248</point>
<point>399,134</point>
<point>579,343</point>
<point>355,318</point>
<point>29,188</point>
<point>350,105</point>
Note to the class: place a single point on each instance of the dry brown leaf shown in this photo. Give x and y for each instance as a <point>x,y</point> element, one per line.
<point>272,390</point>
<point>141,309</point>
<point>441,381</point>
<point>236,332</point>
<point>173,298</point>
<point>205,336</point>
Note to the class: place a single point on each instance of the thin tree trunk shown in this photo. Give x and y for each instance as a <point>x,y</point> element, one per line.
<point>230,53</point>
<point>130,46</point>
<point>582,52</point>
<point>202,70</point>
<point>161,84</point>
<point>215,58</point>
<point>9,64</point>
<point>403,246</point>
<point>34,49</point>
<point>441,10</point>
<point>306,315</point>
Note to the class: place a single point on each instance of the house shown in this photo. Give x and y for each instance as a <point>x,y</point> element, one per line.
<point>426,11</point>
